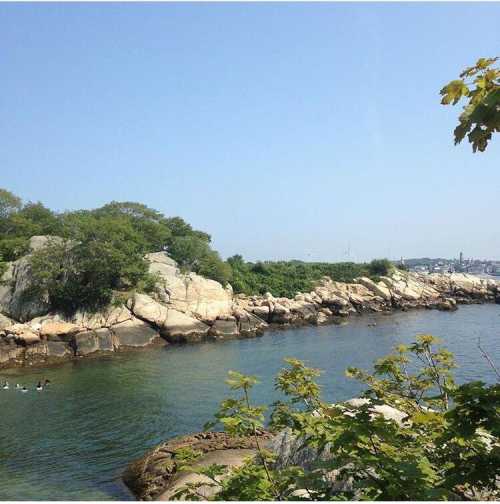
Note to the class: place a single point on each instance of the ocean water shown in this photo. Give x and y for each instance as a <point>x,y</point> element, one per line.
<point>73,440</point>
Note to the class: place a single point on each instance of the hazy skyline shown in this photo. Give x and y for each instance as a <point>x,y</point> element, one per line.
<point>286,131</point>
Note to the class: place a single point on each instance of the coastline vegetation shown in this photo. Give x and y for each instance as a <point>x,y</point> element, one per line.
<point>103,250</point>
<point>286,278</point>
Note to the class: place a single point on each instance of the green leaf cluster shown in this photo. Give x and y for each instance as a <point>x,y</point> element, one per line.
<point>479,85</point>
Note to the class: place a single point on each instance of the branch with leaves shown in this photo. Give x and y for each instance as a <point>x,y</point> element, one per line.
<point>480,86</point>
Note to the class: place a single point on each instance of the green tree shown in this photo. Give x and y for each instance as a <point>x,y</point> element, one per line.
<point>480,86</point>
<point>179,227</point>
<point>193,253</point>
<point>151,224</point>
<point>380,267</point>
<point>188,251</point>
<point>9,203</point>
<point>212,266</point>
<point>105,254</point>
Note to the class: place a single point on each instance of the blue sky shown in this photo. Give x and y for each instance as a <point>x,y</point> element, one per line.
<point>306,131</point>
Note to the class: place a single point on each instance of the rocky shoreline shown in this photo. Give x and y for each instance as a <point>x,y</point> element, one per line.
<point>188,308</point>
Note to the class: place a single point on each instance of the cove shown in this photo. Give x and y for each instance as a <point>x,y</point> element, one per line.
<point>73,440</point>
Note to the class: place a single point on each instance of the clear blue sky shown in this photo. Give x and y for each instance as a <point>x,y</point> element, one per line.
<point>284,130</point>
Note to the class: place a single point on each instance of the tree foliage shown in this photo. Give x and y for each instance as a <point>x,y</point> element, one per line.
<point>444,446</point>
<point>480,86</point>
<point>103,250</point>
<point>380,267</point>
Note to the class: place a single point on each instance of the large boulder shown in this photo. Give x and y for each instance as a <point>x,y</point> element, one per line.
<point>190,293</point>
<point>88,342</point>
<point>15,298</point>
<point>248,323</point>
<point>134,333</point>
<point>162,265</point>
<point>291,451</point>
<point>156,475</point>
<point>224,329</point>
<point>59,349</point>
<point>58,330</point>
<point>379,289</point>
<point>23,334</point>
<point>174,325</point>
<point>108,317</point>
<point>40,242</point>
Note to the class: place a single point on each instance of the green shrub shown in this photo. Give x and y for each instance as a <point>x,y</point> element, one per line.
<point>286,278</point>
<point>84,275</point>
<point>14,248</point>
<point>380,267</point>
<point>446,446</point>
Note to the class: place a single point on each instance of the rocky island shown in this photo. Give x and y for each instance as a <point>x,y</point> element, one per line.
<point>189,308</point>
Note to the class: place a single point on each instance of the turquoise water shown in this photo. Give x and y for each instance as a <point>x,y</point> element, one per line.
<point>73,440</point>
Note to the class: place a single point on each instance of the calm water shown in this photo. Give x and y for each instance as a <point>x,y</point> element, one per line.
<point>72,441</point>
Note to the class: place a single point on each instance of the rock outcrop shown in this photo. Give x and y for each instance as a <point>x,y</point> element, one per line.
<point>155,476</point>
<point>15,299</point>
<point>188,308</point>
<point>185,308</point>
<point>174,325</point>
<point>190,293</point>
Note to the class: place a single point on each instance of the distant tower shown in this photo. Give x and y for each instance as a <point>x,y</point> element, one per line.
<point>461,258</point>
<point>402,261</point>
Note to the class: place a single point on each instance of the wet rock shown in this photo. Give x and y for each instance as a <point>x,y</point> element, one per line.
<point>134,333</point>
<point>59,349</point>
<point>88,342</point>
<point>36,351</point>
<point>224,329</point>
<point>249,324</point>
<point>10,353</point>
<point>322,318</point>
